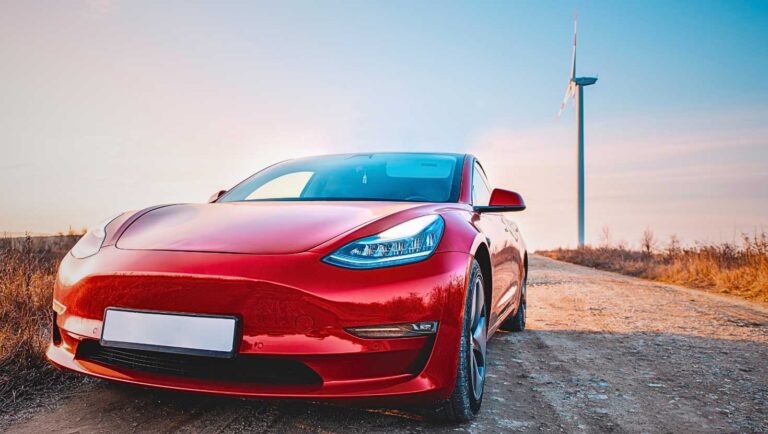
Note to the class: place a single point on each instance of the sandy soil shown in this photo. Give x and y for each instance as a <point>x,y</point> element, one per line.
<point>603,353</point>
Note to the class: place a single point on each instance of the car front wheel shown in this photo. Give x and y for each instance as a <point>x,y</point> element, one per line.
<point>467,395</point>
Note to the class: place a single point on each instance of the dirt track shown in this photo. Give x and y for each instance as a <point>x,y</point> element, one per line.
<point>603,353</point>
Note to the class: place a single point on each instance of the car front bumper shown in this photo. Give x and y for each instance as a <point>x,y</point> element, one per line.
<point>293,309</point>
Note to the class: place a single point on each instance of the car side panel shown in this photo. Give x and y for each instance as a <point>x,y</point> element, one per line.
<point>507,257</point>
<point>499,244</point>
<point>519,254</point>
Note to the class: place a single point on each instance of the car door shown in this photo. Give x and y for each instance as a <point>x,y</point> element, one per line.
<point>503,248</point>
<point>516,252</point>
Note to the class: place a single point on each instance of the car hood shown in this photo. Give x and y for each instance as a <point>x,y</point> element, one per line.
<point>250,227</point>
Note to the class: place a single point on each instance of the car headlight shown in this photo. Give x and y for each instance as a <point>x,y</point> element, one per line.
<point>90,243</point>
<point>408,242</point>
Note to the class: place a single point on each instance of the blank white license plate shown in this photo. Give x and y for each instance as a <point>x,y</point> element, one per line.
<point>204,335</point>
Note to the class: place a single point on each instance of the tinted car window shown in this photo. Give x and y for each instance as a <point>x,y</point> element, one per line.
<point>388,177</point>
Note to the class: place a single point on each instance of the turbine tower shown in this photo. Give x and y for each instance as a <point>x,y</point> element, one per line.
<point>575,89</point>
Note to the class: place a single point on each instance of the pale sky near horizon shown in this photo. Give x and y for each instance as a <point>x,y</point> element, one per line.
<point>108,106</point>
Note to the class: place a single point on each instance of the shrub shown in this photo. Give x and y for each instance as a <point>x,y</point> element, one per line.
<point>728,268</point>
<point>27,273</point>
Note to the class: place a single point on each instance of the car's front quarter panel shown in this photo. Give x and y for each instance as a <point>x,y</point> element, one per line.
<point>471,231</point>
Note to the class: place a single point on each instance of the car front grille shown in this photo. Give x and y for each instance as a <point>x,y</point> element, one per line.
<point>240,369</point>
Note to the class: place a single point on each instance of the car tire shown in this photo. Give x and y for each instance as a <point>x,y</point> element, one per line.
<point>517,323</point>
<point>467,395</point>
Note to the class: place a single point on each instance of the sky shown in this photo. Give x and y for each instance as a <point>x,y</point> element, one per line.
<point>107,106</point>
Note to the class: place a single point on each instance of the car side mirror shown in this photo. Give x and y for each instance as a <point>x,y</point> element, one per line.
<point>503,201</point>
<point>215,196</point>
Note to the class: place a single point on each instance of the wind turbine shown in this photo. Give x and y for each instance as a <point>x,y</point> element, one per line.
<point>576,90</point>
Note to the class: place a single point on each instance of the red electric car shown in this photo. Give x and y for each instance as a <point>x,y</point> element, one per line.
<point>362,276</point>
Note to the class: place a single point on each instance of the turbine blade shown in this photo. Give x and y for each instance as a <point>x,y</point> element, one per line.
<point>568,94</point>
<point>573,58</point>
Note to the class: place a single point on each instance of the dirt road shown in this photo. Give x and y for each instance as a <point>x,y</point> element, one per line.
<point>603,353</point>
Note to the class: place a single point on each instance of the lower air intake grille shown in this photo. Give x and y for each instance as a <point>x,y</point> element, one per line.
<point>241,369</point>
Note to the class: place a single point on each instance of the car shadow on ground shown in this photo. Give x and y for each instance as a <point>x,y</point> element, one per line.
<point>191,411</point>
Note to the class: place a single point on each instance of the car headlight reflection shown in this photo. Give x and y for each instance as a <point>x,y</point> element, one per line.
<point>90,243</point>
<point>408,242</point>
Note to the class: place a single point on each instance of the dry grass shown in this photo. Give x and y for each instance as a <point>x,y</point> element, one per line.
<point>727,268</point>
<point>27,272</point>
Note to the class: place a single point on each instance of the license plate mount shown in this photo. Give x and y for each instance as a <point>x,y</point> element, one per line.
<point>170,332</point>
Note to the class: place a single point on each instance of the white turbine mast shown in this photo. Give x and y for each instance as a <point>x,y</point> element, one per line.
<point>575,90</point>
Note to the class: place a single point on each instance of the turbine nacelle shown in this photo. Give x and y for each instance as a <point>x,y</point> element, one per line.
<point>584,81</point>
<point>570,91</point>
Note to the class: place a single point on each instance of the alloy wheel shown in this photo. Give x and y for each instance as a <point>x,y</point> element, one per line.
<point>478,326</point>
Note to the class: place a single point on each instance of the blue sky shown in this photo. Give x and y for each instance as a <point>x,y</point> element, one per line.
<point>115,105</point>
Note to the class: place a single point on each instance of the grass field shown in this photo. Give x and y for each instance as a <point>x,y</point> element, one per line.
<point>740,270</point>
<point>27,272</point>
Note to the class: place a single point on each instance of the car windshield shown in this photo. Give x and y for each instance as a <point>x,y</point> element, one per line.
<point>382,177</point>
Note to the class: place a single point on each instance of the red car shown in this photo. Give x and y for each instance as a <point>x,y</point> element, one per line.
<point>362,276</point>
